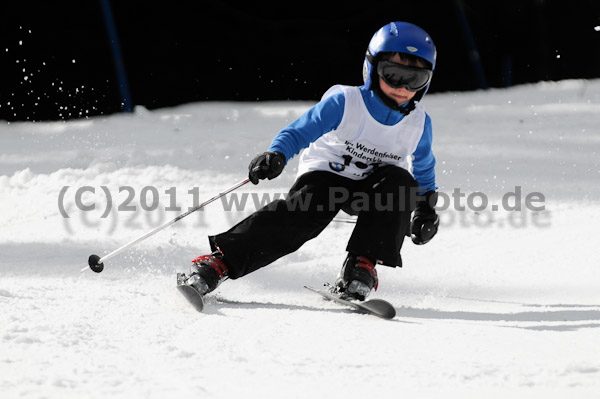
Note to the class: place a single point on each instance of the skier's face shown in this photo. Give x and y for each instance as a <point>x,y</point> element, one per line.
<point>400,95</point>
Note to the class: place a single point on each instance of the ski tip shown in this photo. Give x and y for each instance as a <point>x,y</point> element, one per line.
<point>380,308</point>
<point>193,297</point>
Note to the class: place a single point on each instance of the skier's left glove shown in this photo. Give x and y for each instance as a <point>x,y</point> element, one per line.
<point>267,165</point>
<point>425,221</point>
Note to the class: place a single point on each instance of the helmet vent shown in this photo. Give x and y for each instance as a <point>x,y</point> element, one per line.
<point>412,49</point>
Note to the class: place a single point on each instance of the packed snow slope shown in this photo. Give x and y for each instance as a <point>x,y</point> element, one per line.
<point>504,301</point>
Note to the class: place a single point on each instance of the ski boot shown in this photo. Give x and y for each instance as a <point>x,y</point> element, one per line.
<point>207,272</point>
<point>357,278</point>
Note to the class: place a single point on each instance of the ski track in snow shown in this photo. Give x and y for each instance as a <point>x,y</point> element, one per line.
<point>499,303</point>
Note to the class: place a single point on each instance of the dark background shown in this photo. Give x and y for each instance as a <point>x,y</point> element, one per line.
<point>56,60</point>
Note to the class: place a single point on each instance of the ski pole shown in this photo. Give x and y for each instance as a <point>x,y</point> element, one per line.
<point>96,263</point>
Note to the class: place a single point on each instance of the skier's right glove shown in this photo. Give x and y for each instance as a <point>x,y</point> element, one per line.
<point>267,165</point>
<point>425,220</point>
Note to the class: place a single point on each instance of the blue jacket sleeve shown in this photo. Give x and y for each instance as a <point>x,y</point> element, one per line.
<point>322,118</point>
<point>424,160</point>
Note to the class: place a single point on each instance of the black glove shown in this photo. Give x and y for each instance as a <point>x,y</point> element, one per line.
<point>267,165</point>
<point>425,221</point>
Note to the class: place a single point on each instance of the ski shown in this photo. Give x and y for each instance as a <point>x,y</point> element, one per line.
<point>189,292</point>
<point>375,307</point>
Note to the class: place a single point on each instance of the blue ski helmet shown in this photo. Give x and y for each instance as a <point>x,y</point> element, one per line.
<point>399,37</point>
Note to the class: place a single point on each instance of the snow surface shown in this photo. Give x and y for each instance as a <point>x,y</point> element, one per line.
<point>499,303</point>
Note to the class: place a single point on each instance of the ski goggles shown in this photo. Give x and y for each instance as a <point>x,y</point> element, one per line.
<point>398,75</point>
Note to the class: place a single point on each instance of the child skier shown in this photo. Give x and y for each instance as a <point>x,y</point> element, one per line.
<point>359,143</point>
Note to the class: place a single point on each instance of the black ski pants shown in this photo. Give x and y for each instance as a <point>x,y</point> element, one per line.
<point>383,202</point>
